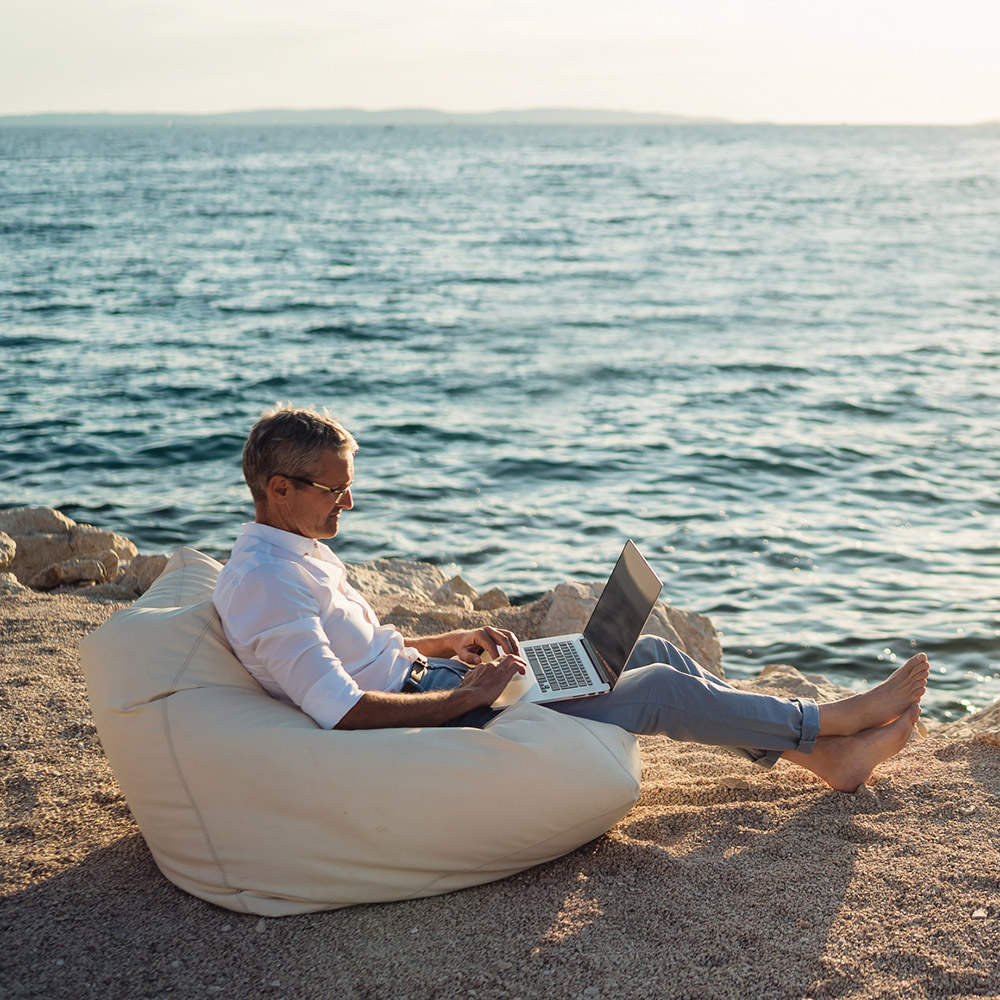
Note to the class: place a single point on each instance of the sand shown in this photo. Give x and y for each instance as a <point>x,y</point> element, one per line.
<point>724,881</point>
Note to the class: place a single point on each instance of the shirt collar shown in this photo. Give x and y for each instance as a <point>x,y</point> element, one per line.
<point>299,544</point>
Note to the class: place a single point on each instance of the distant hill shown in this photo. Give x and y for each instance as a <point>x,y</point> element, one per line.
<point>356,116</point>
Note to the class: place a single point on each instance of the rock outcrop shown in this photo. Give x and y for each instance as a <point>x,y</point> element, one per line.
<point>43,549</point>
<point>44,538</point>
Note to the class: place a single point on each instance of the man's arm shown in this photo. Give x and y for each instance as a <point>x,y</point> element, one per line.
<point>481,686</point>
<point>468,645</point>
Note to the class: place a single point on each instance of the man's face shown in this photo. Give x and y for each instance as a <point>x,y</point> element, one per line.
<point>313,512</point>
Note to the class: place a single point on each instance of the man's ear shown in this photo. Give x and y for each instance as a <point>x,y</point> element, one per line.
<point>277,489</point>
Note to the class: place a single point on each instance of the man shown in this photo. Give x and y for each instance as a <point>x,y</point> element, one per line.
<point>310,639</point>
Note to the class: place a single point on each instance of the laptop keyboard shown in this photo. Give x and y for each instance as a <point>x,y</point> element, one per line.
<point>558,667</point>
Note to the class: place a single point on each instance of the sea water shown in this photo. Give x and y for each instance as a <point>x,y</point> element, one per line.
<point>767,354</point>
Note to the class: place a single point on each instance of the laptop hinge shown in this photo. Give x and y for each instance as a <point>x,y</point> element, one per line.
<point>602,671</point>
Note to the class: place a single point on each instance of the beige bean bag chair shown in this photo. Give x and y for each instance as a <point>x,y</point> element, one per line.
<point>246,803</point>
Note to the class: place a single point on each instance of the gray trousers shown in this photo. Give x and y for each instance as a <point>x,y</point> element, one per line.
<point>663,692</point>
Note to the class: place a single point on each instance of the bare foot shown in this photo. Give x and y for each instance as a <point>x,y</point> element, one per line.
<point>881,705</point>
<point>845,762</point>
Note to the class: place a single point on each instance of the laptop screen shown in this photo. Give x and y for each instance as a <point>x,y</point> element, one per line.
<point>623,608</point>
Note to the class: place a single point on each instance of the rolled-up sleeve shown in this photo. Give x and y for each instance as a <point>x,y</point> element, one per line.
<point>276,622</point>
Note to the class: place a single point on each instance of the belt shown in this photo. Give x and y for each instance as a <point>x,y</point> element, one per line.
<point>415,676</point>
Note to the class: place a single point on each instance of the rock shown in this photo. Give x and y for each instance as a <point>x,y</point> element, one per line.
<point>7,549</point>
<point>436,616</point>
<point>45,537</point>
<point>491,600</point>
<point>452,590</point>
<point>402,577</point>
<point>33,521</point>
<point>572,604</point>
<point>10,585</point>
<point>980,914</point>
<point>798,685</point>
<point>734,783</point>
<point>699,637</point>
<point>109,559</point>
<point>991,737</point>
<point>978,723</point>
<point>68,572</point>
<point>142,571</point>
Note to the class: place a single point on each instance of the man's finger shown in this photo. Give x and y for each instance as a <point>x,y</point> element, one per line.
<point>511,660</point>
<point>488,637</point>
<point>502,638</point>
<point>506,639</point>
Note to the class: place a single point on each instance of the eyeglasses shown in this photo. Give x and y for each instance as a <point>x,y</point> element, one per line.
<point>335,495</point>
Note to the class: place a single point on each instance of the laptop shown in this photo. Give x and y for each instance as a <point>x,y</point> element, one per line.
<point>576,666</point>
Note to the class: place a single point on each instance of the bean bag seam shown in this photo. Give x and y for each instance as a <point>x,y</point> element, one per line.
<point>179,584</point>
<point>165,702</point>
<point>617,759</point>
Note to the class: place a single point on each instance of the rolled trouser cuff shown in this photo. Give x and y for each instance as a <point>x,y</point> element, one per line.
<point>807,737</point>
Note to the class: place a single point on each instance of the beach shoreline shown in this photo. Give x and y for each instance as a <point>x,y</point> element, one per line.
<point>724,881</point>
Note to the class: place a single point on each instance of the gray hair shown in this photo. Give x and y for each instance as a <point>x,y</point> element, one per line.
<point>289,441</point>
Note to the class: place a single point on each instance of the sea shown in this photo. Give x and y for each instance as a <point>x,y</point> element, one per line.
<point>769,354</point>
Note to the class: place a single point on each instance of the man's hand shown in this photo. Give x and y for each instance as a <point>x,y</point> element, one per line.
<point>488,680</point>
<point>486,643</point>
<point>481,686</point>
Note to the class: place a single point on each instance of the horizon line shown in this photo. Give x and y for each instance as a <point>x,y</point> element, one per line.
<point>667,117</point>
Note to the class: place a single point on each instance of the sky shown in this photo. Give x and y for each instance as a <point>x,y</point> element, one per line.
<point>747,60</point>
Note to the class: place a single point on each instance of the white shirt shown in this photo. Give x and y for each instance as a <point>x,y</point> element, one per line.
<point>305,634</point>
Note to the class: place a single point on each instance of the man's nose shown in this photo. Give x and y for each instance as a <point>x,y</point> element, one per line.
<point>346,501</point>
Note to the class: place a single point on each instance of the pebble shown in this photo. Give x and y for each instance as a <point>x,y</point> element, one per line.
<point>260,926</point>
<point>966,810</point>
<point>734,783</point>
<point>980,914</point>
